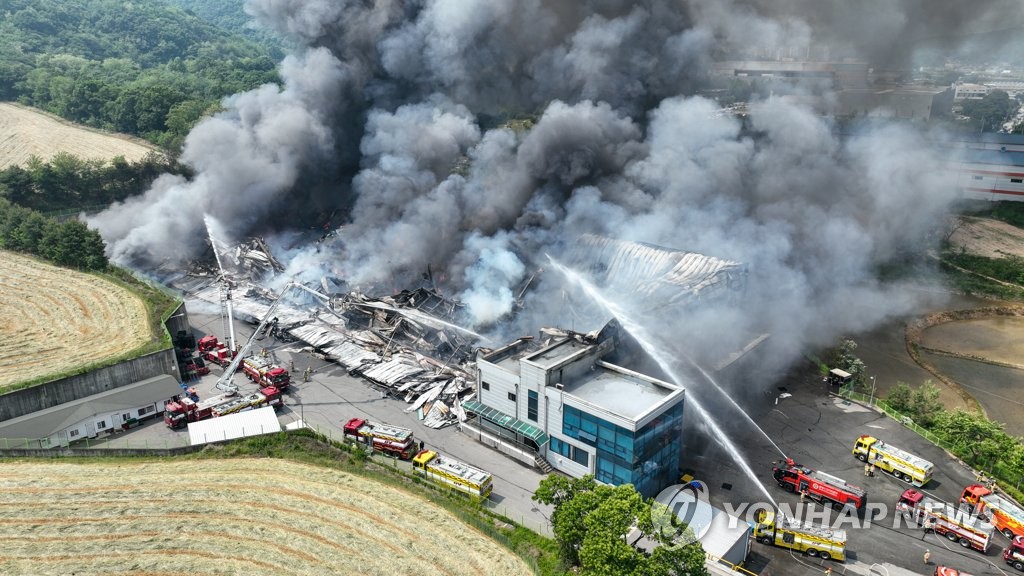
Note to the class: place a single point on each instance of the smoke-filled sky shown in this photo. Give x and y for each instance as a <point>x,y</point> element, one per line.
<point>391,115</point>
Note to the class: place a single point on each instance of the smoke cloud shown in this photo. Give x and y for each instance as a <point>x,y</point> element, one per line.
<point>478,136</point>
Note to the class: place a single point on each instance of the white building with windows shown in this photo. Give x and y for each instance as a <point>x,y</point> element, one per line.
<point>91,416</point>
<point>561,403</point>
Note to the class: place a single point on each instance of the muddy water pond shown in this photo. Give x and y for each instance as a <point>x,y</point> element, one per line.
<point>999,389</point>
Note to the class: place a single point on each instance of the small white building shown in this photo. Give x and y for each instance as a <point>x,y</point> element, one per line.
<point>965,91</point>
<point>91,416</point>
<point>560,402</point>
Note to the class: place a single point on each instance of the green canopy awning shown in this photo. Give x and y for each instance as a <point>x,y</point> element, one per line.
<point>506,421</point>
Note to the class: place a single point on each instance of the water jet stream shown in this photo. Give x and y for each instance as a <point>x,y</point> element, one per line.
<point>645,342</point>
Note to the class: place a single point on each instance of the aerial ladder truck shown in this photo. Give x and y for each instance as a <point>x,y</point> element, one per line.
<point>225,383</point>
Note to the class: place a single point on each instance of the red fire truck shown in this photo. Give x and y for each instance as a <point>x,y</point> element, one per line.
<point>265,373</point>
<point>383,437</point>
<point>957,525</point>
<point>213,350</point>
<point>819,486</point>
<point>179,413</point>
<point>1014,553</point>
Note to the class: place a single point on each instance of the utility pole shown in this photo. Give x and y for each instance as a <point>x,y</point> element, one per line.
<point>871,400</point>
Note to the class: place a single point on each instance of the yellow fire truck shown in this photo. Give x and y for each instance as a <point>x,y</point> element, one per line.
<point>819,541</point>
<point>902,464</point>
<point>450,472</point>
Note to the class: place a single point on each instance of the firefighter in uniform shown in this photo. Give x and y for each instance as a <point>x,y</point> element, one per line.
<point>305,375</point>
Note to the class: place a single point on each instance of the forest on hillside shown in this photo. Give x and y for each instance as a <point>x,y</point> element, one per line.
<point>146,68</point>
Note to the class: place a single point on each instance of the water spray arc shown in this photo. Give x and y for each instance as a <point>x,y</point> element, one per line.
<point>645,342</point>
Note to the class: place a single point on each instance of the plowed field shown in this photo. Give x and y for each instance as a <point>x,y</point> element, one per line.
<point>53,319</point>
<point>254,516</point>
<point>25,132</point>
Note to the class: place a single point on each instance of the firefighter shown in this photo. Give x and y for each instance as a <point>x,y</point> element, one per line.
<point>803,496</point>
<point>828,571</point>
<point>291,366</point>
<point>872,474</point>
<point>305,375</point>
<point>867,470</point>
<point>927,555</point>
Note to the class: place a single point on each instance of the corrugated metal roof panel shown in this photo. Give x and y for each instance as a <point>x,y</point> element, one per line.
<point>240,425</point>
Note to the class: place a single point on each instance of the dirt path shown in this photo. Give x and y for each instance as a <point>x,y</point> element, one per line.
<point>27,132</point>
<point>988,238</point>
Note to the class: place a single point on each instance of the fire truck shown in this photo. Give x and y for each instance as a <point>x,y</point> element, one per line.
<point>179,413</point>
<point>819,541</point>
<point>957,525</point>
<point>268,396</point>
<point>213,350</point>
<point>902,464</point>
<point>1014,553</point>
<point>383,437</point>
<point>447,471</point>
<point>265,373</point>
<point>947,571</point>
<point>819,486</point>
<point>1005,514</point>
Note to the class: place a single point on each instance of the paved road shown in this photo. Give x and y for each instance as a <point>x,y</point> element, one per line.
<point>818,430</point>
<point>811,426</point>
<point>332,397</point>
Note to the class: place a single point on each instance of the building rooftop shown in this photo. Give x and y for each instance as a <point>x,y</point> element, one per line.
<point>973,156</point>
<point>557,352</point>
<point>622,393</point>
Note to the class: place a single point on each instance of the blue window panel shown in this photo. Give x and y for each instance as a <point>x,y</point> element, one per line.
<point>589,424</point>
<point>587,437</point>
<point>531,405</point>
<point>580,456</point>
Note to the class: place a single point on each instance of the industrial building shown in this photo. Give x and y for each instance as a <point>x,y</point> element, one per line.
<point>971,91</point>
<point>900,101</point>
<point>581,415</point>
<point>989,166</point>
<point>90,416</point>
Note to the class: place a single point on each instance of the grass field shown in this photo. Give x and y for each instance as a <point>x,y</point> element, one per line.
<point>25,132</point>
<point>54,319</point>
<point>234,516</point>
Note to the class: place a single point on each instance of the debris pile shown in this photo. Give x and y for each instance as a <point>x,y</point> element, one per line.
<point>407,345</point>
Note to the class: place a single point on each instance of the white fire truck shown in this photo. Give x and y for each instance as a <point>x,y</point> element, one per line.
<point>956,524</point>
<point>902,464</point>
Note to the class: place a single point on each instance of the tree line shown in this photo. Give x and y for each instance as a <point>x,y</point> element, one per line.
<point>65,243</point>
<point>68,183</point>
<point>145,68</point>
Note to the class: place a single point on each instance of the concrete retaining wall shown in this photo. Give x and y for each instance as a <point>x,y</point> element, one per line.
<point>28,400</point>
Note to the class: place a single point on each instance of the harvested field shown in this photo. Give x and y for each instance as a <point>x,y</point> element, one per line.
<point>252,516</point>
<point>27,132</point>
<point>54,319</point>
<point>988,238</point>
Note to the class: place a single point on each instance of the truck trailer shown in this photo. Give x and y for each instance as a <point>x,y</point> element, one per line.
<point>447,471</point>
<point>1005,514</point>
<point>902,464</point>
<point>784,532</point>
<point>386,438</point>
<point>819,486</point>
<point>956,524</point>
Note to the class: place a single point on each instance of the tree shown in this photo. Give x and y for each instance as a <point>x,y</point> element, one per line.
<point>899,397</point>
<point>989,112</point>
<point>973,435</point>
<point>925,404</point>
<point>844,358</point>
<point>592,522</point>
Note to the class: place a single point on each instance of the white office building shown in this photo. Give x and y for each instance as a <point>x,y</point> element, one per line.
<point>560,402</point>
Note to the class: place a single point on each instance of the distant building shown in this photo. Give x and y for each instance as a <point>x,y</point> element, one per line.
<point>837,74</point>
<point>560,404</point>
<point>990,166</point>
<point>966,91</point>
<point>908,102</point>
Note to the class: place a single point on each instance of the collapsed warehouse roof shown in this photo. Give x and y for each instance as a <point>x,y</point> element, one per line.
<point>663,277</point>
<point>404,344</point>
